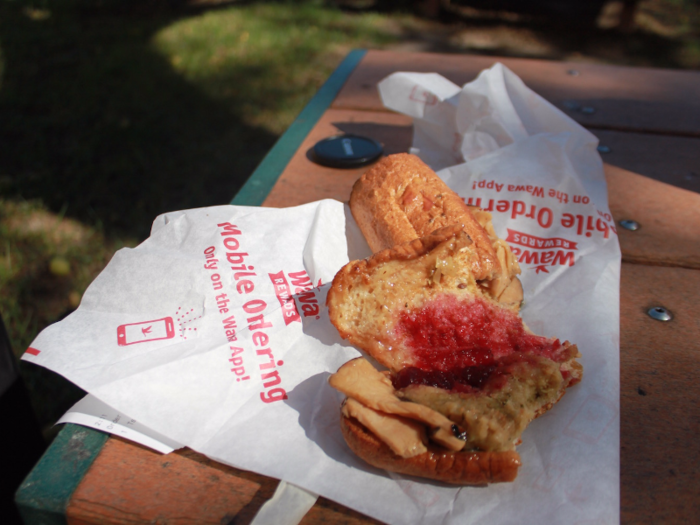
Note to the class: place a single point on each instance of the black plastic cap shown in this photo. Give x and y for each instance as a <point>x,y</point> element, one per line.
<point>347,151</point>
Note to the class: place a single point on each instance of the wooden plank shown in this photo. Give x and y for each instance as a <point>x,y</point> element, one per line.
<point>132,484</point>
<point>45,493</point>
<point>327,511</point>
<point>668,218</point>
<point>624,98</point>
<point>673,160</point>
<point>660,415</point>
<point>304,181</point>
<point>258,185</point>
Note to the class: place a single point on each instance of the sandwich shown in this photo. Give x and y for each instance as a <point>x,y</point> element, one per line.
<point>462,376</point>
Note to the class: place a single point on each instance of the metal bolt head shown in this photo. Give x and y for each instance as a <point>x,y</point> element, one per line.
<point>632,226</point>
<point>588,110</point>
<point>604,149</point>
<point>660,313</point>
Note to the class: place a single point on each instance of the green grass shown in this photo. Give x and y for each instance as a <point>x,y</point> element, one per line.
<point>114,111</point>
<point>266,61</point>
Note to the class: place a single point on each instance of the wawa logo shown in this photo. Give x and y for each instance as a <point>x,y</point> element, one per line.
<point>298,286</point>
<point>541,252</point>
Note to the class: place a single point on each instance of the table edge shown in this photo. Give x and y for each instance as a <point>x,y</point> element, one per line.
<point>45,493</point>
<point>260,183</point>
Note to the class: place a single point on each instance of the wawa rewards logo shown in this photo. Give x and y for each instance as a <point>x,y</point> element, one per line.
<point>541,252</point>
<point>296,285</point>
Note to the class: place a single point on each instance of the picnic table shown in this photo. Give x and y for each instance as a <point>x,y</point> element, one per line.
<point>648,123</point>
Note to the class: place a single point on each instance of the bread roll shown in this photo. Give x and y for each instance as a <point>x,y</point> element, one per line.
<point>401,199</point>
<point>459,468</point>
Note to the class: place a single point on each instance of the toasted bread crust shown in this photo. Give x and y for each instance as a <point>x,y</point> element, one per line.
<point>400,199</point>
<point>415,247</point>
<point>394,279</point>
<point>459,468</point>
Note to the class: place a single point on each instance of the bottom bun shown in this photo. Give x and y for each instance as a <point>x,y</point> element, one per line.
<point>459,468</point>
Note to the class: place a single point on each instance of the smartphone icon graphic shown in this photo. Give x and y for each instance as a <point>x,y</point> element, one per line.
<point>130,334</point>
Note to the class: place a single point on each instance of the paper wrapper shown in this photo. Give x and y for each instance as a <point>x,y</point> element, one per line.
<point>214,331</point>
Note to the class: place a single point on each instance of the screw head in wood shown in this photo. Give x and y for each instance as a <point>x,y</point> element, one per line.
<point>630,225</point>
<point>660,313</point>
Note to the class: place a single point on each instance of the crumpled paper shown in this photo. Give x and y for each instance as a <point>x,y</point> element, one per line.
<point>213,332</point>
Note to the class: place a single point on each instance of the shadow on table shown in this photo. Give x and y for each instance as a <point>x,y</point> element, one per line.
<point>395,139</point>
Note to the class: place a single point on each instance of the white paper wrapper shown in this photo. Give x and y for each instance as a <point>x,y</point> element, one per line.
<point>194,334</point>
<point>93,413</point>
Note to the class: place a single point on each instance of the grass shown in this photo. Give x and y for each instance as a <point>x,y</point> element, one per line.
<point>114,111</point>
<point>264,62</point>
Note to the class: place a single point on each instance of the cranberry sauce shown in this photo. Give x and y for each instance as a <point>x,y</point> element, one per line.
<point>450,335</point>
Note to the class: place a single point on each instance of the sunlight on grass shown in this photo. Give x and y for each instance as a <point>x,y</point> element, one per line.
<point>266,61</point>
<point>46,263</point>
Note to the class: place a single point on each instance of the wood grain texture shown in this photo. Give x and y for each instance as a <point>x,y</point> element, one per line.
<point>327,511</point>
<point>45,493</point>
<point>624,98</point>
<point>660,413</point>
<point>669,219</point>
<point>132,484</point>
<point>669,159</point>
